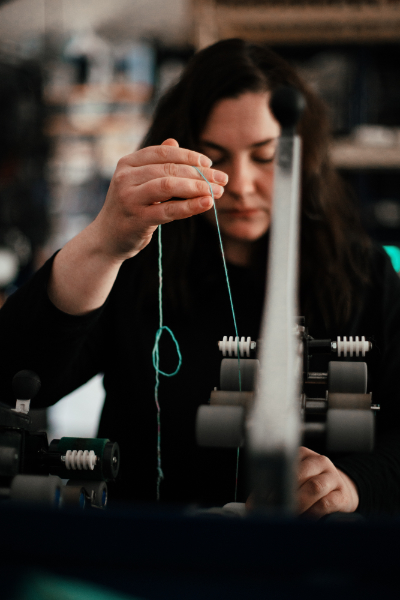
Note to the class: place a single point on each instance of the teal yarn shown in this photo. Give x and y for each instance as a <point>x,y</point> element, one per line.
<point>162,327</point>
<point>233,310</point>
<point>225,268</point>
<point>156,354</point>
<point>156,360</point>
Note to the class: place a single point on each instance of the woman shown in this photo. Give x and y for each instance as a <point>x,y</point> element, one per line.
<point>94,307</point>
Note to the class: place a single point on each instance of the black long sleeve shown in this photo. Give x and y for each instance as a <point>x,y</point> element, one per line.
<point>377,474</point>
<point>118,339</point>
<point>64,350</point>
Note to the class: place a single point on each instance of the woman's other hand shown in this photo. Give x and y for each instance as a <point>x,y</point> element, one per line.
<point>322,488</point>
<point>145,191</point>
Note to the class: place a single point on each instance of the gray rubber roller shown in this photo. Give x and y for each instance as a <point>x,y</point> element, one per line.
<point>36,489</point>
<point>349,430</point>
<point>223,398</point>
<point>229,374</point>
<point>355,401</point>
<point>220,426</point>
<point>73,496</point>
<point>347,377</point>
<point>96,491</point>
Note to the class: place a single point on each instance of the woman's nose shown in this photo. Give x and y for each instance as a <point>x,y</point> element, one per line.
<point>241,179</point>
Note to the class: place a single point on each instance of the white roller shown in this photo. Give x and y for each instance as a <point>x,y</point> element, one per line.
<point>230,346</point>
<point>353,347</point>
<point>79,459</point>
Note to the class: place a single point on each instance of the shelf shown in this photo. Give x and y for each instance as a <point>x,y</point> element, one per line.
<point>298,23</point>
<point>349,155</point>
<point>120,93</point>
<point>93,125</point>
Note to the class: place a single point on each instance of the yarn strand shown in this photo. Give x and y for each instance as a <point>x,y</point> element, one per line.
<point>156,361</point>
<point>162,327</point>
<point>233,310</point>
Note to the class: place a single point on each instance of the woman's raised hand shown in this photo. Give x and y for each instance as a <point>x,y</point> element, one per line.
<point>145,192</point>
<point>150,187</point>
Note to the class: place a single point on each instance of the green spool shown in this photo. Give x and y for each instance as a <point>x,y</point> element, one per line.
<point>107,464</point>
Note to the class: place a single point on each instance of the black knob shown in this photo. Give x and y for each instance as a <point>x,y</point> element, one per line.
<point>287,105</point>
<point>25,385</point>
<point>111,460</point>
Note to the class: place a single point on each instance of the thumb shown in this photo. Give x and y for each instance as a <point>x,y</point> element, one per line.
<point>170,142</point>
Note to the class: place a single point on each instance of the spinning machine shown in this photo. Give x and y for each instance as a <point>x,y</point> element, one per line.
<point>262,402</point>
<point>32,470</point>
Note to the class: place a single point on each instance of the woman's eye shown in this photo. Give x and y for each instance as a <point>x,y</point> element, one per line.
<point>264,160</point>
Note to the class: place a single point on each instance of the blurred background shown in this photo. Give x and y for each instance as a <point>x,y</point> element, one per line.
<point>79,80</point>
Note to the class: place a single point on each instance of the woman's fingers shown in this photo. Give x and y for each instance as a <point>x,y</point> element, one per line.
<point>165,154</point>
<point>145,192</point>
<point>140,175</point>
<point>316,478</point>
<point>160,190</point>
<point>322,488</point>
<point>328,504</point>
<point>170,142</point>
<point>311,463</point>
<point>176,210</point>
<point>315,488</point>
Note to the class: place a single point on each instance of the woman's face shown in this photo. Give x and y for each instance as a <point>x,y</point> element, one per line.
<point>240,137</point>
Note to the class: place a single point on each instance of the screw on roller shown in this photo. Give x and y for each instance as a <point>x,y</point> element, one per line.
<point>352,346</point>
<point>231,346</point>
<point>25,385</point>
<point>79,459</point>
<point>287,105</point>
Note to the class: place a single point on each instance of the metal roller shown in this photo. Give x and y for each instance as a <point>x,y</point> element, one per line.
<point>347,377</point>
<point>96,491</point>
<point>224,398</point>
<point>73,496</point>
<point>229,374</point>
<point>349,430</point>
<point>220,426</point>
<point>354,401</point>
<point>36,489</point>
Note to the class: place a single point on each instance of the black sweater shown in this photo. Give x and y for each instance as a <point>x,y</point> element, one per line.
<point>118,338</point>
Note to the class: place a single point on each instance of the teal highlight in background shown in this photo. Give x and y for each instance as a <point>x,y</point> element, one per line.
<point>47,586</point>
<point>394,253</point>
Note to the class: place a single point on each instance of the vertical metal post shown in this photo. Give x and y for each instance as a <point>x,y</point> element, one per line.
<point>273,427</point>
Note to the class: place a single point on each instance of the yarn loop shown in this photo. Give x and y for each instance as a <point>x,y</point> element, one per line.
<point>162,327</point>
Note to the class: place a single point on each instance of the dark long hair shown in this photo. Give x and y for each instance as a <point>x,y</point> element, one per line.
<point>334,247</point>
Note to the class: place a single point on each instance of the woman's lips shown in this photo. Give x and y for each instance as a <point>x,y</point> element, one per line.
<point>242,214</point>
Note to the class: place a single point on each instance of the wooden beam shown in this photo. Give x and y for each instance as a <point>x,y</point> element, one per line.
<point>205,23</point>
<point>305,24</point>
<point>349,155</point>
